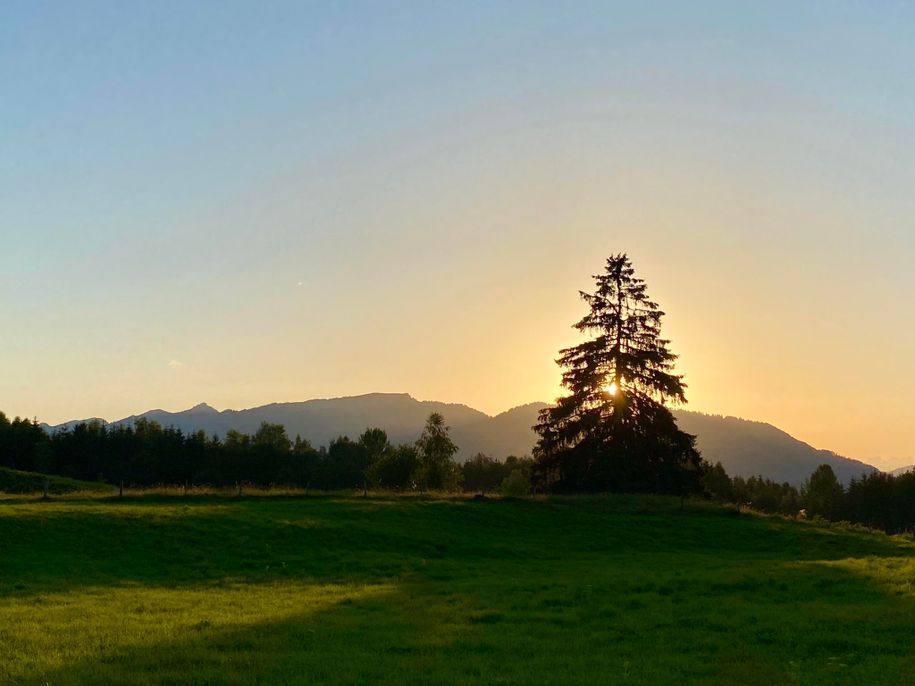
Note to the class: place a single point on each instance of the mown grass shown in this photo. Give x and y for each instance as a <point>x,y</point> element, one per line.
<point>287,590</point>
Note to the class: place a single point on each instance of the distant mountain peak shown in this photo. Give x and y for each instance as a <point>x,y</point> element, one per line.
<point>203,407</point>
<point>71,424</point>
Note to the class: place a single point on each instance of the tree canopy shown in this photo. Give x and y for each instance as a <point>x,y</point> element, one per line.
<point>437,470</point>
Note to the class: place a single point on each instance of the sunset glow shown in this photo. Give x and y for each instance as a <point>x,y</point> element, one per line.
<point>341,199</point>
<point>457,342</point>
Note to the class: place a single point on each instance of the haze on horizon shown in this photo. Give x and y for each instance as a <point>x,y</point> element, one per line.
<point>244,203</point>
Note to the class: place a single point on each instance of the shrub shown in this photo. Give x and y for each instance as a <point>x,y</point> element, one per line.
<point>517,484</point>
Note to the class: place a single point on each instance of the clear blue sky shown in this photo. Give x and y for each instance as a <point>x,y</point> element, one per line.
<point>253,202</point>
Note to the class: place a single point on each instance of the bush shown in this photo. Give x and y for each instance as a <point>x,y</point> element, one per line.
<point>517,484</point>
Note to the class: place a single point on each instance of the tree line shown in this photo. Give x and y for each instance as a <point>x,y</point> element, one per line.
<point>149,454</point>
<point>876,500</point>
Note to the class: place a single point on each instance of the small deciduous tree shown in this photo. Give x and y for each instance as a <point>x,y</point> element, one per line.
<point>345,464</point>
<point>437,468</point>
<point>396,468</point>
<point>718,484</point>
<point>482,473</point>
<point>273,436</point>
<point>517,484</point>
<point>375,443</point>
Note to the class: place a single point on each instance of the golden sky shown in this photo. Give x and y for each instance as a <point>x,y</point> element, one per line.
<point>325,202</point>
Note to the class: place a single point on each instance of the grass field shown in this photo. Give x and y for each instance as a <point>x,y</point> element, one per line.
<point>14,481</point>
<point>288,590</point>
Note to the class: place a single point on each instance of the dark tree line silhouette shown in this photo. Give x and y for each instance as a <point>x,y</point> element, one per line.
<point>148,454</point>
<point>877,500</point>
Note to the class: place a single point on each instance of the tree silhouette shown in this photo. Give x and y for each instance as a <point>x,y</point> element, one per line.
<point>437,469</point>
<point>483,473</point>
<point>612,431</point>
<point>396,468</point>
<point>375,442</point>
<point>822,492</point>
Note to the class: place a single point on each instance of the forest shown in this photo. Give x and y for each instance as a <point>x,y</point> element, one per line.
<point>148,454</point>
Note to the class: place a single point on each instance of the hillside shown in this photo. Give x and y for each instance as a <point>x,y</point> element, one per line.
<point>313,590</point>
<point>320,421</point>
<point>15,481</point>
<point>748,448</point>
<point>744,447</point>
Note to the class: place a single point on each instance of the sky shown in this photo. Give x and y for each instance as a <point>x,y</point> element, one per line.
<point>253,202</point>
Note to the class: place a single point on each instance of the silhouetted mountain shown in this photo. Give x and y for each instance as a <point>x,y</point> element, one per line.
<point>320,421</point>
<point>71,424</point>
<point>748,448</point>
<point>745,448</point>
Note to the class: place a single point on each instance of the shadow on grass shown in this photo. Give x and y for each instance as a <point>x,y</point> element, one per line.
<point>776,623</point>
<point>64,545</point>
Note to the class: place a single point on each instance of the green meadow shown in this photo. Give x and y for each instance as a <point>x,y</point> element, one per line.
<point>15,481</point>
<point>293,589</point>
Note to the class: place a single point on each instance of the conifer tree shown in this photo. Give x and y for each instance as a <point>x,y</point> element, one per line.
<point>612,431</point>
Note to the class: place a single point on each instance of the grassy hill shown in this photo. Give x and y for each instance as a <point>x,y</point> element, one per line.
<point>284,590</point>
<point>14,481</point>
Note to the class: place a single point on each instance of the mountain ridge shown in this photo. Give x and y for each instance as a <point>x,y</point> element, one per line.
<point>745,447</point>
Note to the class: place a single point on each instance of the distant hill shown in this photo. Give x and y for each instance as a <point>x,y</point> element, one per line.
<point>745,448</point>
<point>320,421</point>
<point>748,448</point>
<point>71,424</point>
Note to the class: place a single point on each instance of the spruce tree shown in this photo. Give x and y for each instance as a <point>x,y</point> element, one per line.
<point>612,431</point>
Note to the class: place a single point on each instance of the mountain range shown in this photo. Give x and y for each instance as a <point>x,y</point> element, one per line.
<point>745,448</point>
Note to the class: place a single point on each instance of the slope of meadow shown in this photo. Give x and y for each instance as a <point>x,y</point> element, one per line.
<point>297,590</point>
<point>15,481</point>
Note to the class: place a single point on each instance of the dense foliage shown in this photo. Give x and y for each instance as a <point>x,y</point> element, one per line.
<point>876,500</point>
<point>612,432</point>
<point>146,454</point>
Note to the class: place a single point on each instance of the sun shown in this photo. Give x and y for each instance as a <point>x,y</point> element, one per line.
<point>612,388</point>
